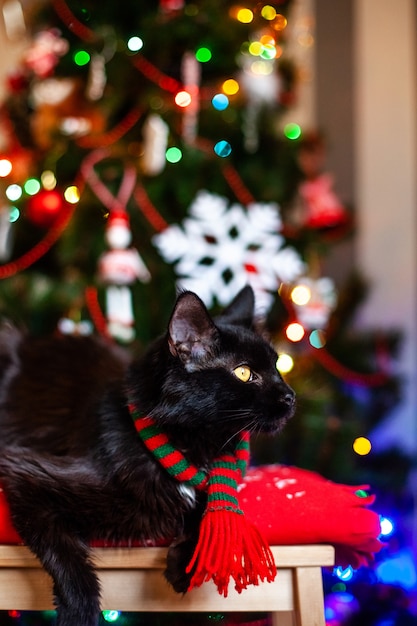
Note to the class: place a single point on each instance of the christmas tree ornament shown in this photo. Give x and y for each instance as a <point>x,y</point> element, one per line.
<point>220,248</point>
<point>43,208</point>
<point>44,53</point>
<point>191,77</point>
<point>14,20</point>
<point>119,268</point>
<point>155,140</point>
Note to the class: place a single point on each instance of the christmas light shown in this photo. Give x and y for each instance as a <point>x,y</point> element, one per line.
<point>48,180</point>
<point>387,526</point>
<point>135,44</point>
<point>230,87</point>
<point>285,363</point>
<point>268,51</point>
<point>32,186</point>
<point>280,22</point>
<point>317,339</point>
<point>203,55</point>
<point>173,155</point>
<point>301,294</point>
<point>81,57</point>
<point>223,148</point>
<point>111,616</point>
<point>268,12</point>
<point>183,99</point>
<point>295,332</point>
<point>344,573</point>
<point>292,131</point>
<point>14,192</point>
<point>255,48</point>
<point>220,101</point>
<point>245,16</point>
<point>362,446</point>
<point>5,167</point>
<point>72,194</point>
<point>14,214</point>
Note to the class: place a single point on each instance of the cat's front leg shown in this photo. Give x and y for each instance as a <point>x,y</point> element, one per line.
<point>179,555</point>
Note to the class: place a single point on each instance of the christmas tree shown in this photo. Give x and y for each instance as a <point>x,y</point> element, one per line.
<point>143,149</point>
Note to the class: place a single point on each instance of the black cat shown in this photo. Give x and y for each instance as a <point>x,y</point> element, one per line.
<point>72,464</point>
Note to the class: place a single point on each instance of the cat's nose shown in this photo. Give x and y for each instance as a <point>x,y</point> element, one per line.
<point>289,398</point>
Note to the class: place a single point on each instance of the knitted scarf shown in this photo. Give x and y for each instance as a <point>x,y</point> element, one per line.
<point>229,546</point>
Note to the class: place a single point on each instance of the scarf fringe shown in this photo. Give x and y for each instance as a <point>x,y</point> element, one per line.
<point>230,547</point>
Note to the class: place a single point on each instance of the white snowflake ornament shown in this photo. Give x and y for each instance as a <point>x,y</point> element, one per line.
<point>220,248</point>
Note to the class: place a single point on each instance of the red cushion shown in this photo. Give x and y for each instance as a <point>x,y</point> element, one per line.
<point>292,506</point>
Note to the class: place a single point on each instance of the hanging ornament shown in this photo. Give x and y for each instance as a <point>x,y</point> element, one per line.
<point>317,205</point>
<point>43,208</point>
<point>119,268</point>
<point>97,78</point>
<point>44,53</point>
<point>155,141</point>
<point>191,76</point>
<point>221,248</point>
<point>171,5</point>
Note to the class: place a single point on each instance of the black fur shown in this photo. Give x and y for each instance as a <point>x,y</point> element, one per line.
<point>71,463</point>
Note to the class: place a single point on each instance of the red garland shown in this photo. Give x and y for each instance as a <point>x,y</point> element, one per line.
<point>71,22</point>
<point>96,314</point>
<point>110,137</point>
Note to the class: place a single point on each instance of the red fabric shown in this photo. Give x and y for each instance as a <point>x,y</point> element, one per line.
<point>292,506</point>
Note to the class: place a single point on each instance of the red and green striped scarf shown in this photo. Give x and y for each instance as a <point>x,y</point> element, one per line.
<point>228,545</point>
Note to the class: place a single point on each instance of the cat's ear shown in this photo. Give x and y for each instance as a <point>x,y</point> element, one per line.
<point>241,310</point>
<point>191,331</point>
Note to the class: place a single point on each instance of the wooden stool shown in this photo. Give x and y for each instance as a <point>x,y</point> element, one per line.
<point>132,580</point>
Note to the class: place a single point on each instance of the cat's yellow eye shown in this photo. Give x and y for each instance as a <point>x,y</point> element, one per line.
<point>243,373</point>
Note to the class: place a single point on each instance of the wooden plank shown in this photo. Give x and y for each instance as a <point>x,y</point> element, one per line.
<point>154,558</point>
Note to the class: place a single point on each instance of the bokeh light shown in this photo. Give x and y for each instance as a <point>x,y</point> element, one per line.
<point>317,338</point>
<point>268,12</point>
<point>220,101</point>
<point>32,186</point>
<point>14,192</point>
<point>223,148</point>
<point>230,87</point>
<point>5,167</point>
<point>292,131</point>
<point>173,154</point>
<point>203,55</point>
<point>245,16</point>
<point>135,44</point>
<point>295,331</point>
<point>301,294</point>
<point>72,194</point>
<point>362,446</point>
<point>81,57</point>
<point>48,179</point>
<point>285,363</point>
<point>183,99</point>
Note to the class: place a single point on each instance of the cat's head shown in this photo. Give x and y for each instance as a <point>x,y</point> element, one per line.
<point>224,371</point>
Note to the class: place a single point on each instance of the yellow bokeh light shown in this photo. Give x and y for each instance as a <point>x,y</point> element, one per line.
<point>5,167</point>
<point>72,194</point>
<point>245,16</point>
<point>230,87</point>
<point>183,99</point>
<point>48,180</point>
<point>362,446</point>
<point>255,48</point>
<point>268,12</point>
<point>295,331</point>
<point>300,295</point>
<point>285,363</point>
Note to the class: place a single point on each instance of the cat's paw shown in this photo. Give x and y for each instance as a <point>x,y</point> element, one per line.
<point>178,557</point>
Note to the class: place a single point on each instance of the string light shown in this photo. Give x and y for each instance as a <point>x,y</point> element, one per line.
<point>5,167</point>
<point>203,55</point>
<point>292,131</point>
<point>301,295</point>
<point>48,180</point>
<point>268,12</point>
<point>173,155</point>
<point>317,338</point>
<point>72,194</point>
<point>135,44</point>
<point>183,99</point>
<point>223,148</point>
<point>285,363</point>
<point>220,101</point>
<point>230,87</point>
<point>362,446</point>
<point>81,57</point>
<point>32,186</point>
<point>111,616</point>
<point>245,16</point>
<point>14,214</point>
<point>387,526</point>
<point>295,331</point>
<point>14,192</point>
<point>344,573</point>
